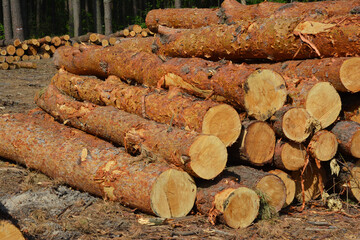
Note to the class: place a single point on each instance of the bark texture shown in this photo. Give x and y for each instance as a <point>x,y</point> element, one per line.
<point>88,163</point>
<point>348,135</point>
<point>7,19</point>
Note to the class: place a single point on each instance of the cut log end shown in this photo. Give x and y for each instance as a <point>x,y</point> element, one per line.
<point>8,231</point>
<point>293,156</point>
<point>355,145</point>
<point>173,194</point>
<point>224,122</point>
<point>323,103</point>
<point>289,184</point>
<point>241,207</point>
<point>208,156</point>
<point>274,189</point>
<point>350,74</point>
<point>297,124</point>
<point>355,181</point>
<point>323,145</point>
<point>265,93</point>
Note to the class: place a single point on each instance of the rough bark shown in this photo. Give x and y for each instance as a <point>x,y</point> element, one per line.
<point>323,145</point>
<point>76,17</point>
<point>108,16</point>
<point>17,23</point>
<point>294,123</point>
<point>91,164</point>
<point>348,135</point>
<point>202,156</point>
<point>255,145</point>
<point>289,184</point>
<point>7,19</point>
<point>259,92</point>
<point>8,231</point>
<point>275,39</point>
<point>173,107</point>
<point>289,156</point>
<point>349,179</point>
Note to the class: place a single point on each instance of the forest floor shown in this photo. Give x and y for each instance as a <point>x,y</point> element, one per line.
<point>44,209</point>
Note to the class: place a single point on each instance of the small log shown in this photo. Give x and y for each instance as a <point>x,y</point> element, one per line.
<point>56,41</point>
<point>122,33</point>
<point>12,66</point>
<point>23,64</point>
<point>24,46</point>
<point>172,107</point>
<point>25,58</point>
<point>289,184</point>
<point>4,66</point>
<point>4,42</point>
<point>17,58</point>
<point>82,38</point>
<point>9,232</point>
<point>294,123</point>
<point>132,34</point>
<point>20,52</point>
<point>11,50</point>
<point>65,37</point>
<point>44,40</point>
<point>289,156</point>
<point>96,38</point>
<point>45,56</point>
<point>136,44</point>
<point>136,28</point>
<point>3,52</point>
<point>2,59</point>
<point>52,49</point>
<point>202,156</point>
<point>105,43</point>
<point>255,145</point>
<point>323,145</point>
<point>32,51</point>
<point>94,165</point>
<point>9,59</point>
<point>348,135</point>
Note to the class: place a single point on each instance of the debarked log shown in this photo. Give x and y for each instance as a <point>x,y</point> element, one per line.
<point>201,155</point>
<point>94,165</point>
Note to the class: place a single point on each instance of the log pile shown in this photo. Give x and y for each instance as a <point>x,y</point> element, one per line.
<point>163,126</point>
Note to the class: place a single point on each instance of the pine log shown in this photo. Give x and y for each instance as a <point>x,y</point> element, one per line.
<point>136,28</point>
<point>94,165</point>
<point>32,50</point>
<point>259,92</point>
<point>348,135</point>
<point>4,42</point>
<point>44,40</point>
<point>12,66</point>
<point>24,46</point>
<point>4,66</point>
<point>289,184</point>
<point>286,39</point>
<point>255,145</point>
<point>202,156</point>
<point>122,33</point>
<point>294,123</point>
<point>17,58</point>
<point>96,38</point>
<point>82,38</point>
<point>45,56</point>
<point>323,145</point>
<point>52,49</point>
<point>11,50</point>
<point>2,59</point>
<point>9,59</point>
<point>269,184</point>
<point>343,73</point>
<point>3,52</point>
<point>25,58</point>
<point>320,99</point>
<point>228,200</point>
<point>349,179</point>
<point>65,37</point>
<point>23,64</point>
<point>289,156</point>
<point>56,41</point>
<point>105,43</point>
<point>136,44</point>
<point>9,232</point>
<point>19,52</point>
<point>172,107</point>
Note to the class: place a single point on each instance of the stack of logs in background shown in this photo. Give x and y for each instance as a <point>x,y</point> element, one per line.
<point>236,110</point>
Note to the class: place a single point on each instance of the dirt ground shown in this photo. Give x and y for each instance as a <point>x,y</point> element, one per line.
<point>44,209</point>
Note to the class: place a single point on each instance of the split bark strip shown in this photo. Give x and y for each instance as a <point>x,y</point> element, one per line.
<point>96,166</point>
<point>343,73</point>
<point>289,156</point>
<point>259,92</point>
<point>202,156</point>
<point>286,39</point>
<point>289,184</point>
<point>348,135</point>
<point>171,107</point>
<point>323,145</point>
<point>227,200</point>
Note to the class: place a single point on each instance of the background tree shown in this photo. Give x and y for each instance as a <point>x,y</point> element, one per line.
<point>177,3</point>
<point>97,16</point>
<point>76,13</point>
<point>7,19</point>
<point>108,16</point>
<point>17,23</point>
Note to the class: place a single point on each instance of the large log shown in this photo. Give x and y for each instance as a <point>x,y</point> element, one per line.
<point>351,107</point>
<point>94,165</point>
<point>323,145</point>
<point>343,73</point>
<point>259,92</point>
<point>275,39</point>
<point>203,156</point>
<point>348,135</point>
<point>172,107</point>
<point>290,156</point>
<point>289,184</point>
<point>349,179</point>
<point>9,232</point>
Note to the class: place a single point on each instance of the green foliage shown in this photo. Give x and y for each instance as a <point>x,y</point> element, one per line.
<point>266,211</point>
<point>2,34</point>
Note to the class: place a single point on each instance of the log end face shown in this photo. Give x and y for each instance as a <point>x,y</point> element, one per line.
<point>9,231</point>
<point>224,122</point>
<point>325,147</point>
<point>323,103</point>
<point>355,145</point>
<point>297,124</point>
<point>241,208</point>
<point>350,74</point>
<point>173,194</point>
<point>289,184</point>
<point>265,93</point>
<point>208,156</point>
<point>274,189</point>
<point>293,156</point>
<point>355,181</point>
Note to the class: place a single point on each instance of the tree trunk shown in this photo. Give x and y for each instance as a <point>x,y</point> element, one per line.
<point>286,38</point>
<point>108,16</point>
<point>93,165</point>
<point>71,16</point>
<point>98,22</point>
<point>289,184</point>
<point>323,145</point>
<point>172,107</point>
<point>17,24</point>
<point>8,231</point>
<point>342,73</point>
<point>177,3</point>
<point>7,19</point>
<point>348,135</point>
<point>289,156</point>
<point>76,14</point>
<point>135,44</point>
<point>256,144</point>
<point>259,92</point>
<point>203,156</point>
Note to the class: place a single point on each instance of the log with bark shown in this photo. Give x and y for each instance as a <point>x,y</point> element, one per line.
<point>94,165</point>
<point>136,44</point>
<point>289,156</point>
<point>259,92</point>
<point>173,107</point>
<point>289,184</point>
<point>323,145</point>
<point>202,156</point>
<point>349,179</point>
<point>348,135</point>
<point>275,39</point>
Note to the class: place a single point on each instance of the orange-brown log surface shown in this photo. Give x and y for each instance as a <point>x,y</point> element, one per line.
<point>289,184</point>
<point>136,44</point>
<point>289,156</point>
<point>259,92</point>
<point>203,156</point>
<point>94,165</point>
<point>323,145</point>
<point>348,135</point>
<point>171,107</point>
<point>342,73</point>
<point>276,39</point>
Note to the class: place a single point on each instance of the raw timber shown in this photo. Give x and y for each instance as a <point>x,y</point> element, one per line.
<point>274,38</point>
<point>348,135</point>
<point>203,156</point>
<point>9,231</point>
<point>259,92</point>
<point>349,179</point>
<point>289,184</point>
<point>323,145</point>
<point>94,165</point>
<point>171,107</point>
<point>289,156</point>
